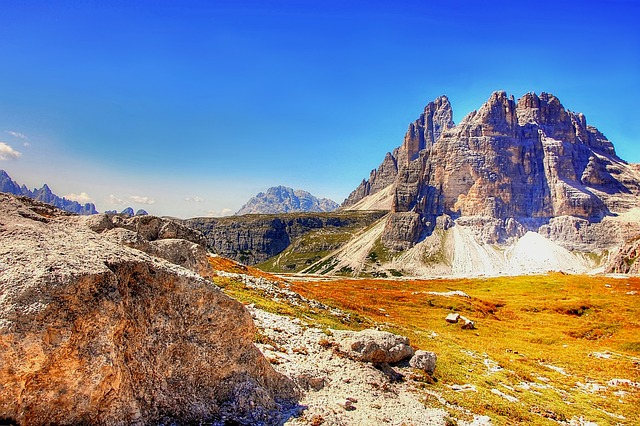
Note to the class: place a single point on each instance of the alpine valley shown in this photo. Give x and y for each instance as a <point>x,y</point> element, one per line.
<point>517,187</point>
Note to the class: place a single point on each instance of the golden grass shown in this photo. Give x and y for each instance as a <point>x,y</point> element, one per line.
<point>544,333</point>
<point>219,263</point>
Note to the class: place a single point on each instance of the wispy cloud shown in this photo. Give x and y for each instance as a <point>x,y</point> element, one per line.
<point>141,200</point>
<point>219,213</point>
<point>8,153</point>
<point>82,197</point>
<point>195,199</point>
<point>18,135</point>
<point>112,199</point>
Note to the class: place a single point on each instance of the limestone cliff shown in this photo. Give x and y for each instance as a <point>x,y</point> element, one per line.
<point>422,133</point>
<point>515,165</point>
<point>96,332</point>
<point>252,239</point>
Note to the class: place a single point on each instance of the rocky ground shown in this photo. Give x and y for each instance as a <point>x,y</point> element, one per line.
<point>338,390</point>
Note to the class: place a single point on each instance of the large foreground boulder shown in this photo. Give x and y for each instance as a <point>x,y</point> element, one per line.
<point>93,332</point>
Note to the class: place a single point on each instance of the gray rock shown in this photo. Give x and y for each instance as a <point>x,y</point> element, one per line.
<point>452,318</point>
<point>424,360</point>
<point>375,346</point>
<point>252,239</point>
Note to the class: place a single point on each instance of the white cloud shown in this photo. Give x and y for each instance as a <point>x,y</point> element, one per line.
<point>18,135</point>
<point>195,199</point>
<point>141,200</point>
<point>26,144</point>
<point>219,213</point>
<point>82,198</point>
<point>8,153</point>
<point>112,199</point>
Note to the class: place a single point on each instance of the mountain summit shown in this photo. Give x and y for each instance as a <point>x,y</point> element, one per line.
<point>510,168</point>
<point>281,199</point>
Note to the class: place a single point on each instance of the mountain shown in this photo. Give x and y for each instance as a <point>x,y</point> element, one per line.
<point>280,199</point>
<point>44,195</point>
<point>517,187</point>
<point>459,195</point>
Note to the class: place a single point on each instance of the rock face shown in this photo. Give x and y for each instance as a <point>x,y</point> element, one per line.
<point>252,239</point>
<point>626,259</point>
<point>45,195</point>
<point>281,199</point>
<point>512,165</point>
<point>94,332</point>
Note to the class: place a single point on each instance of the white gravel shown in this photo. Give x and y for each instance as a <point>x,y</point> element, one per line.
<point>337,390</point>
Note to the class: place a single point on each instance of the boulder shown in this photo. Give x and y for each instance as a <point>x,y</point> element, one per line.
<point>375,346</point>
<point>452,318</point>
<point>424,360</point>
<point>467,324</point>
<point>94,332</point>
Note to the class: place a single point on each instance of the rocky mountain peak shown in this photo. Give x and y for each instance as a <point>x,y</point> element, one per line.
<point>282,199</point>
<point>422,133</point>
<point>520,162</point>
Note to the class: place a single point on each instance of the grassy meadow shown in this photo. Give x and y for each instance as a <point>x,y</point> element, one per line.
<point>546,349</point>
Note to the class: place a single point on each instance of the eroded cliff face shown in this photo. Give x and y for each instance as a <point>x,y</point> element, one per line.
<point>252,239</point>
<point>95,332</point>
<point>422,134</point>
<point>521,163</point>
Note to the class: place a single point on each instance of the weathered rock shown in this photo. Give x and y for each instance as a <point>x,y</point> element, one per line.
<point>93,332</point>
<point>424,360</point>
<point>435,119</point>
<point>516,166</point>
<point>452,318</point>
<point>374,346</point>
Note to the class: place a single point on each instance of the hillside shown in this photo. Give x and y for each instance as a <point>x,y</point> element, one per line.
<point>517,187</point>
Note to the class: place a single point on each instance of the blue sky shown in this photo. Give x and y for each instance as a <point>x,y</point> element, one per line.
<point>189,108</point>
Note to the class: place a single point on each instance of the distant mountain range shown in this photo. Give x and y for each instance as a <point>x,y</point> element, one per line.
<point>281,199</point>
<point>44,195</point>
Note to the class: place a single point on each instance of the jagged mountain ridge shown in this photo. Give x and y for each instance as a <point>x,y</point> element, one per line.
<point>281,199</point>
<point>44,195</point>
<point>521,164</point>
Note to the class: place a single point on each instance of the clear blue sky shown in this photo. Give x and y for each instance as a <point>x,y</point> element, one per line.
<point>198,105</point>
